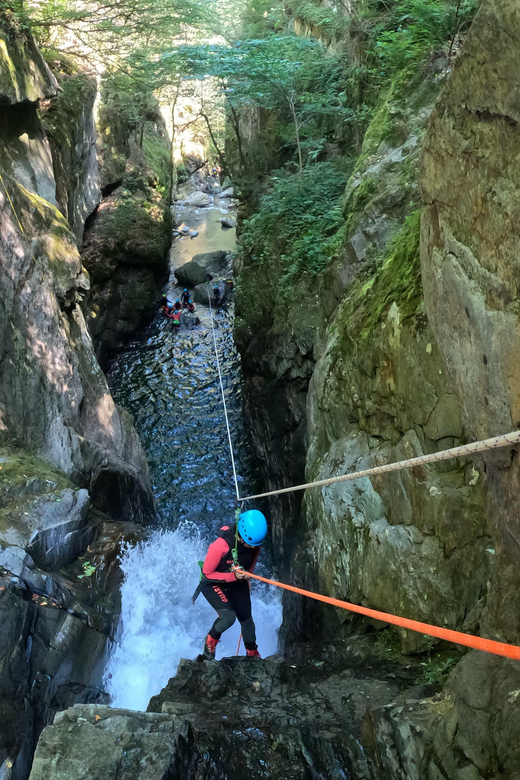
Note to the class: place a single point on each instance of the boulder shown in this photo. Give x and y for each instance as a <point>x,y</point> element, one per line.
<point>227,193</point>
<point>213,185</point>
<point>200,294</point>
<point>228,222</point>
<point>198,199</point>
<point>203,268</point>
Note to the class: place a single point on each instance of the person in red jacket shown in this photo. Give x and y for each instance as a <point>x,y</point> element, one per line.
<point>224,584</point>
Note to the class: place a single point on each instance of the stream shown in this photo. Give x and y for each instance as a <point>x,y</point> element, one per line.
<point>168,381</point>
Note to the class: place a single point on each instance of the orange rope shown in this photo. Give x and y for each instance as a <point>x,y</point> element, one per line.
<point>476,642</point>
<point>239,640</point>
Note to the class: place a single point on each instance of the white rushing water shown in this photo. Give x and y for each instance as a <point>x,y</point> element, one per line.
<point>159,625</point>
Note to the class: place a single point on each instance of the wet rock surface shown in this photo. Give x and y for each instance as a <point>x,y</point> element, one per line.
<point>64,444</point>
<point>236,717</point>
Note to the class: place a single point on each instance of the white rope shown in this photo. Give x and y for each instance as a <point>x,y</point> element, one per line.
<point>223,400</point>
<point>506,440</point>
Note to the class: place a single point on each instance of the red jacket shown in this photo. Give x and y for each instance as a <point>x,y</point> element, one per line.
<point>219,557</point>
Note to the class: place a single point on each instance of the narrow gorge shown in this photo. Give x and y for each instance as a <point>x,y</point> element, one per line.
<point>347,175</point>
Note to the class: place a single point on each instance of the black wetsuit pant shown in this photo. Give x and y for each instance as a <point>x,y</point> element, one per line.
<point>231,600</point>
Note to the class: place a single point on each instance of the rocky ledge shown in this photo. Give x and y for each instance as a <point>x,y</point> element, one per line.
<point>309,717</point>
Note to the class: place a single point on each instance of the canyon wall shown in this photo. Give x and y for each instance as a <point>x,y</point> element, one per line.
<point>404,345</point>
<point>73,475</point>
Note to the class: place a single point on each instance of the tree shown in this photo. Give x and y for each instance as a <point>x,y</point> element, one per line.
<point>107,30</point>
<point>287,73</point>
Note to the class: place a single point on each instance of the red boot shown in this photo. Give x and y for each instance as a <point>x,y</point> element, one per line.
<point>210,646</point>
<point>253,654</point>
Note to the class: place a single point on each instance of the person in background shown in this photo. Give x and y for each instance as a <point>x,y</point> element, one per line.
<point>185,297</point>
<point>216,295</point>
<point>177,305</point>
<point>163,301</point>
<point>191,307</point>
<point>224,584</point>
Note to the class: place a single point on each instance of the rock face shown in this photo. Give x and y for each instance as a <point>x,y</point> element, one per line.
<point>24,74</point>
<point>69,124</point>
<point>67,453</point>
<point>53,395</point>
<point>55,623</point>
<point>228,719</point>
<point>125,245</point>
<point>24,78</point>
<point>471,289</point>
<point>408,349</point>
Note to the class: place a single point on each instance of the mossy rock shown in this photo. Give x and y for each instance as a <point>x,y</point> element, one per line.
<point>24,74</point>
<point>129,231</point>
<point>395,278</point>
<point>23,478</point>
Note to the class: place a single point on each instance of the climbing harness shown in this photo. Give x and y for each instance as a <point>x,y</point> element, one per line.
<point>223,400</point>
<point>507,440</point>
<point>11,203</point>
<point>457,637</point>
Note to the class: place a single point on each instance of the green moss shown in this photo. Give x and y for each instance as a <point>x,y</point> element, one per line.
<point>158,156</point>
<point>127,226</point>
<point>23,477</point>
<point>60,118</point>
<point>395,278</point>
<point>383,125</point>
<point>356,203</point>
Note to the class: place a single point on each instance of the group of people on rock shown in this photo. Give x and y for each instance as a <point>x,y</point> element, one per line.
<point>174,311</point>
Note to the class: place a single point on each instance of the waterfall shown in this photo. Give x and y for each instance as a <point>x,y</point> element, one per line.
<point>159,624</point>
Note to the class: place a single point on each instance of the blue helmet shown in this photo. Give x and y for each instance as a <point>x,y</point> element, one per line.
<point>252,527</point>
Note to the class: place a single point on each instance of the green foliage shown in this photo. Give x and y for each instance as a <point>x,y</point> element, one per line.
<point>410,30</point>
<point>108,31</point>
<point>89,569</point>
<point>300,215</point>
<point>324,21</point>
<point>128,99</point>
<point>437,669</point>
<point>295,77</point>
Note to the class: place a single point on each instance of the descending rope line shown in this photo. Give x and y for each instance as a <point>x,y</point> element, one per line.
<point>496,442</point>
<point>224,401</point>
<point>457,637</point>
